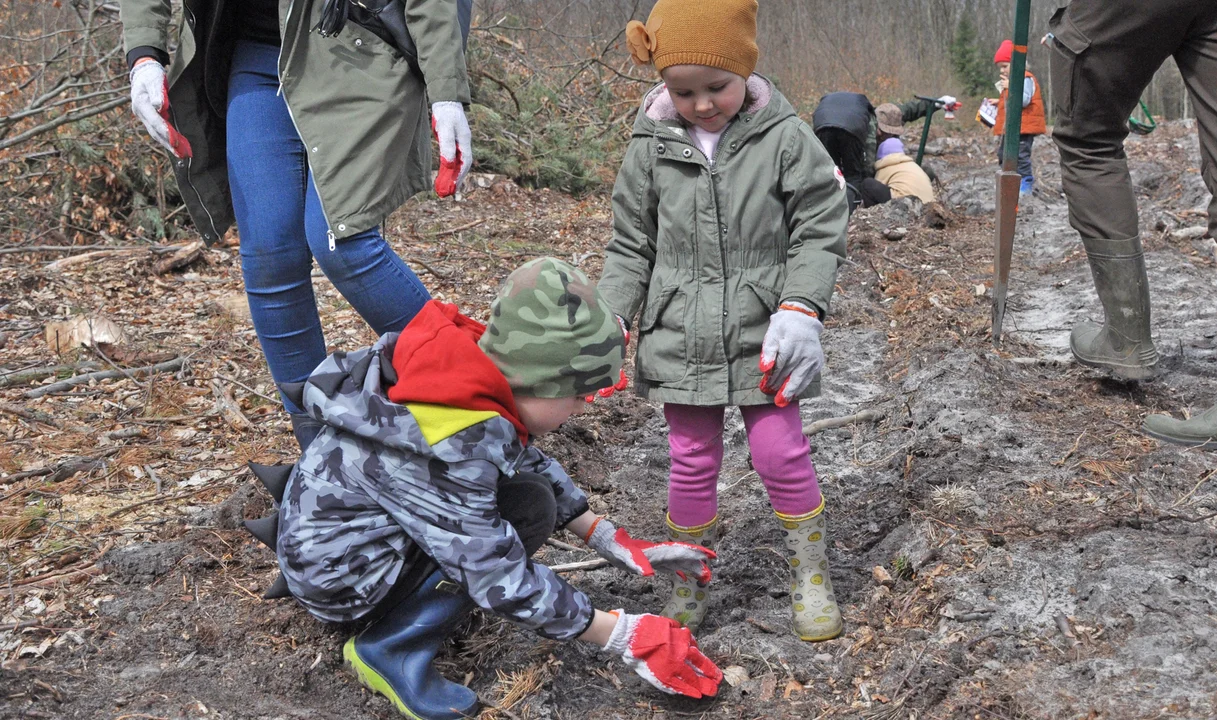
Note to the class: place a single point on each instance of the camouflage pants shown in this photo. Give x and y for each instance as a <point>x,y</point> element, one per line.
<point>364,591</point>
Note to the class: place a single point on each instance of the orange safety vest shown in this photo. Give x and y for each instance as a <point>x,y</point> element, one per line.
<point>1033,115</point>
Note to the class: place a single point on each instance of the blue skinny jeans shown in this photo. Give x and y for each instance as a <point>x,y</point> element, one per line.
<point>283,228</point>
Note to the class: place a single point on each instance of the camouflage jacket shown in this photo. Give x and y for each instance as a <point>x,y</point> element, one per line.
<point>383,475</point>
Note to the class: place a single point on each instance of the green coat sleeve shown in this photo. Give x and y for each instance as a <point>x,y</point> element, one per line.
<point>817,215</point>
<point>914,110</point>
<point>145,23</point>
<point>630,256</point>
<point>436,32</point>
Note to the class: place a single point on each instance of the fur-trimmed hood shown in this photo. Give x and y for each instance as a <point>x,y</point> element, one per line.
<point>657,114</point>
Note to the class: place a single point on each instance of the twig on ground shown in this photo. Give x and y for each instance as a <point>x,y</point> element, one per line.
<point>98,351</point>
<point>26,413</point>
<point>159,498</point>
<point>462,228</point>
<point>423,264</point>
<point>168,366</point>
<point>228,408</point>
<point>58,472</point>
<point>65,575</point>
<point>243,386</point>
<point>821,425</point>
<point>584,565</point>
<point>563,546</point>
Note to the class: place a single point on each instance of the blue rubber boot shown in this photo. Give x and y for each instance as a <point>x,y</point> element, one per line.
<point>393,655</point>
<point>1027,185</point>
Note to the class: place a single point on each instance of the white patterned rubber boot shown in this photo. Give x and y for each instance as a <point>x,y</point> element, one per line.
<point>816,614</point>
<point>689,600</point>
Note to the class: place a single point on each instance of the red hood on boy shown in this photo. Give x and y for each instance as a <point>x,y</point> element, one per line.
<point>438,361</point>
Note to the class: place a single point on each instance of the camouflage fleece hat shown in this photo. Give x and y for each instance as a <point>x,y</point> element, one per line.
<point>552,334</point>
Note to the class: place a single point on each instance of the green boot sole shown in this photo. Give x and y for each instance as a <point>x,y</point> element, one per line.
<point>372,680</point>
<point>1198,432</point>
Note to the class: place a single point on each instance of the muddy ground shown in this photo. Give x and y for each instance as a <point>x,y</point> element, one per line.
<point>1046,559</point>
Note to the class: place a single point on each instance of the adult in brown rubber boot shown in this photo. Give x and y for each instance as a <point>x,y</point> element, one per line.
<point>1104,54</point>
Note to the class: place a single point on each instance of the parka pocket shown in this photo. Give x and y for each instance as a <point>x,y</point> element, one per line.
<point>663,354</point>
<point>757,302</point>
<point>1068,45</point>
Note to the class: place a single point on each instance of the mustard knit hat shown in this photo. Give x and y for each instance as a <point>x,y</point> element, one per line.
<point>717,33</point>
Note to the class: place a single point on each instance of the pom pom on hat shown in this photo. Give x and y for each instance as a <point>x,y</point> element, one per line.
<point>715,33</point>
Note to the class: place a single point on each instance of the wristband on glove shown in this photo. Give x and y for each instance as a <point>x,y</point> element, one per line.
<point>799,309</point>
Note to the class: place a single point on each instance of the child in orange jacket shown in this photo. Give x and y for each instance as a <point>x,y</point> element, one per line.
<point>1033,123</point>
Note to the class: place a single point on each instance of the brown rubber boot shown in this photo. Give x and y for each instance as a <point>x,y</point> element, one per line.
<point>1122,344</point>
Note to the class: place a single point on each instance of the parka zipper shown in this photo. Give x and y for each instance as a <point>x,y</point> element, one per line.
<point>718,222</point>
<point>329,232</point>
<point>721,233</point>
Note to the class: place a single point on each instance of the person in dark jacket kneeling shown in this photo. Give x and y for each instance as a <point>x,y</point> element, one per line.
<point>422,496</point>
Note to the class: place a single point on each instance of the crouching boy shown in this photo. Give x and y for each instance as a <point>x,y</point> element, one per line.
<point>422,495</point>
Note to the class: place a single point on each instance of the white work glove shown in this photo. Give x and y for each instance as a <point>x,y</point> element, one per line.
<point>664,654</point>
<point>150,101</point>
<point>947,100</point>
<point>451,129</point>
<point>642,557</point>
<point>791,354</point>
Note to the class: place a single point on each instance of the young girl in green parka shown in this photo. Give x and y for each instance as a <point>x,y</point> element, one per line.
<point>728,227</point>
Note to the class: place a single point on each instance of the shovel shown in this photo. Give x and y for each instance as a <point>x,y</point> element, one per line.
<point>1008,179</point>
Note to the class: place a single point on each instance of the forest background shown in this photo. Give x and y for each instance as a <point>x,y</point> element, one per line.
<point>554,95</point>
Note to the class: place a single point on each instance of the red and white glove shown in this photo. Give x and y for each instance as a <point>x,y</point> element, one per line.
<point>664,654</point>
<point>790,353</point>
<point>150,102</point>
<point>623,382</point>
<point>451,129</point>
<point>643,557</point>
<point>950,103</point>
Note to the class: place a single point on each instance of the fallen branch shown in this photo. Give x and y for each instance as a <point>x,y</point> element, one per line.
<point>66,248</point>
<point>27,414</point>
<point>58,472</point>
<point>83,258</point>
<point>584,565</point>
<point>24,376</point>
<point>188,254</point>
<point>820,426</point>
<point>169,366</point>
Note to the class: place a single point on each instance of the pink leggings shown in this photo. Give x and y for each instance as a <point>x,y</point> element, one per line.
<point>780,455</point>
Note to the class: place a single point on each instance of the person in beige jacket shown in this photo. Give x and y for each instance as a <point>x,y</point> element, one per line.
<point>901,173</point>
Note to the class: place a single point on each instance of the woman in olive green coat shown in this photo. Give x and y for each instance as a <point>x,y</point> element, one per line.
<point>308,142</point>
<point>729,224</point>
